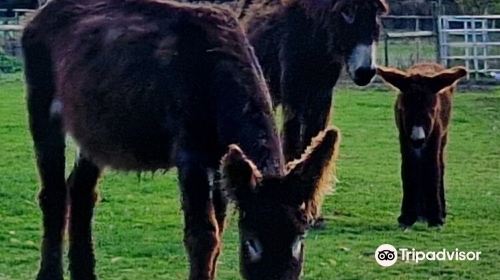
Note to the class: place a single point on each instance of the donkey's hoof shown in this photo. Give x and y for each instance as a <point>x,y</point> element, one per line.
<point>49,275</point>
<point>406,221</point>
<point>404,228</point>
<point>318,223</point>
<point>435,223</point>
<point>82,275</point>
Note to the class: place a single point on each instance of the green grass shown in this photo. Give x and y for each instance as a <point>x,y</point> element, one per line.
<point>138,224</point>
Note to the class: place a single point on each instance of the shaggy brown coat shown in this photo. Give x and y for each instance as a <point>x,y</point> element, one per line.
<point>146,85</point>
<point>423,111</point>
<point>302,46</point>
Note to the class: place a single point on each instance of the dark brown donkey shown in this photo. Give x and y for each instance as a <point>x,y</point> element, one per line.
<point>302,46</point>
<point>146,85</point>
<point>423,111</point>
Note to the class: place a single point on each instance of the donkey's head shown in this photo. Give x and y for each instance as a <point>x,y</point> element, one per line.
<point>418,103</point>
<point>355,28</point>
<point>273,217</point>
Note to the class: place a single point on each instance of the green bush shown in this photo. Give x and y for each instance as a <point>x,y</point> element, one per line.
<point>9,64</point>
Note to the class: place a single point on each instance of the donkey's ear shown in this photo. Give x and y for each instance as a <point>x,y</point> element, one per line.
<point>240,175</point>
<point>394,77</point>
<point>447,78</point>
<point>311,174</point>
<point>382,6</point>
<point>340,5</point>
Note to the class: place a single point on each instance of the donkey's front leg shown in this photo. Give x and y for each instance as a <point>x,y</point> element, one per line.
<point>50,160</point>
<point>409,181</point>
<point>317,118</point>
<point>441,183</point>
<point>292,123</point>
<point>201,231</point>
<point>220,202</point>
<point>81,183</point>
<point>432,192</point>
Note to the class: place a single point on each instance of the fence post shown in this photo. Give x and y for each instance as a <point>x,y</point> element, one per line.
<point>485,40</point>
<point>386,49</point>
<point>437,31</point>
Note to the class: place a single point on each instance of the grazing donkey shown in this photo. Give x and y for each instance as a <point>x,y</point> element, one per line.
<point>146,85</point>
<point>302,46</point>
<point>423,111</point>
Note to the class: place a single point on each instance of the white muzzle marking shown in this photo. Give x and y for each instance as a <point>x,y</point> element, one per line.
<point>254,250</point>
<point>363,56</point>
<point>56,108</point>
<point>417,133</point>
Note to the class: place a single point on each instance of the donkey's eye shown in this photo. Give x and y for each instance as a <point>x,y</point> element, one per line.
<point>253,250</point>
<point>349,14</point>
<point>297,246</point>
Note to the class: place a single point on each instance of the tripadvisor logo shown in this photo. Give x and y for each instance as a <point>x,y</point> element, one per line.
<point>387,255</point>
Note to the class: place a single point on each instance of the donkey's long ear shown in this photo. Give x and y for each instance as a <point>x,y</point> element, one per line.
<point>382,6</point>
<point>447,78</point>
<point>394,77</point>
<point>240,175</point>
<point>310,175</point>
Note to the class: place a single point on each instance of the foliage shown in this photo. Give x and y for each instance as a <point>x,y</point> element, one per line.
<point>479,7</point>
<point>424,7</point>
<point>9,64</point>
<point>138,223</point>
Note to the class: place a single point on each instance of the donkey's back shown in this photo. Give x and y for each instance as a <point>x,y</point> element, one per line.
<point>120,76</point>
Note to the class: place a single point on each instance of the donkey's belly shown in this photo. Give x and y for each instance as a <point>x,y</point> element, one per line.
<point>151,153</point>
<point>126,141</point>
<point>123,155</point>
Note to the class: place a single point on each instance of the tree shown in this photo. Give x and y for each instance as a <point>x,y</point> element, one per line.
<point>479,7</point>
<point>423,7</point>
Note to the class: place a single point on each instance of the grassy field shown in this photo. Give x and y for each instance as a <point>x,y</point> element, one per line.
<point>138,225</point>
<point>403,53</point>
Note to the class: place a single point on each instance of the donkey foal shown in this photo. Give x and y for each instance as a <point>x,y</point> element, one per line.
<point>422,113</point>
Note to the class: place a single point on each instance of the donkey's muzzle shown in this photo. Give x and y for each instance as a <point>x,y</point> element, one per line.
<point>364,75</point>
<point>417,144</point>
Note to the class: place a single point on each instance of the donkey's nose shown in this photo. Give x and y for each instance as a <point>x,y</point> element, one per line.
<point>417,133</point>
<point>364,75</point>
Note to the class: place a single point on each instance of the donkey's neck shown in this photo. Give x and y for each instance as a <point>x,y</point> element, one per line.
<point>314,23</point>
<point>244,117</point>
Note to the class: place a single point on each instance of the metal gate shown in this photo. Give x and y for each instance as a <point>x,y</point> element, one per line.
<point>472,41</point>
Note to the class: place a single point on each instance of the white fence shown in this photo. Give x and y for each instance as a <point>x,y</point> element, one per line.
<point>408,39</point>
<point>11,25</point>
<point>472,41</point>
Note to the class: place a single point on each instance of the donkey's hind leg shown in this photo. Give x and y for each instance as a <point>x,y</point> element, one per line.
<point>48,138</point>
<point>201,231</point>
<point>81,183</point>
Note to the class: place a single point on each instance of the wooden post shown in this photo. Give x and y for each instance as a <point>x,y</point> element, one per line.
<point>485,39</point>
<point>386,49</point>
<point>437,31</point>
